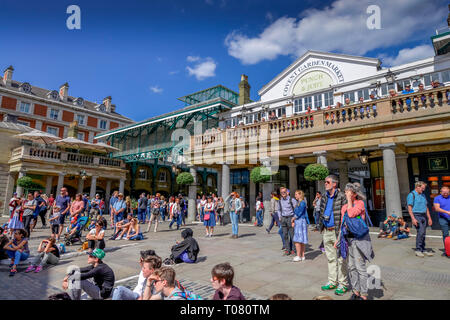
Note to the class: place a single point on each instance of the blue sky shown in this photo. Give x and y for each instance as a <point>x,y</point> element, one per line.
<point>145,54</point>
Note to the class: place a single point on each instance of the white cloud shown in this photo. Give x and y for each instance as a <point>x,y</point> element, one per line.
<point>156,89</point>
<point>341,27</point>
<point>192,58</point>
<point>409,54</point>
<point>205,68</point>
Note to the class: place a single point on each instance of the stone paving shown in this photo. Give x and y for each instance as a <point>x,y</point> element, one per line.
<point>261,270</point>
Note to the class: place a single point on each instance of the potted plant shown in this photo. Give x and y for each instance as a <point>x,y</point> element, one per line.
<point>316,172</point>
<point>185,178</point>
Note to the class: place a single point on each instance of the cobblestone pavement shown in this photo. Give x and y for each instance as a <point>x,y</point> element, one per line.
<point>261,270</point>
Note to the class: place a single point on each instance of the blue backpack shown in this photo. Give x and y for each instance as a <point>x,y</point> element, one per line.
<point>356,226</point>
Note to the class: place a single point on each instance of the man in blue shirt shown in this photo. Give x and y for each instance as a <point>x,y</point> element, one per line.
<point>408,90</point>
<point>442,206</point>
<point>118,210</point>
<point>330,223</point>
<point>418,210</point>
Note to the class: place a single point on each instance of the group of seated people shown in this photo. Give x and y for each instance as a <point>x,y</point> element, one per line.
<point>127,229</point>
<point>394,228</point>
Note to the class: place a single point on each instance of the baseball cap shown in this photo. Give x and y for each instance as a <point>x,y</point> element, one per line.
<point>394,215</point>
<point>97,253</point>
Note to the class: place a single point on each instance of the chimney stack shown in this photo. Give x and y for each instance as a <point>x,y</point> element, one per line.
<point>113,108</point>
<point>7,76</point>
<point>64,92</point>
<point>107,103</point>
<point>244,90</point>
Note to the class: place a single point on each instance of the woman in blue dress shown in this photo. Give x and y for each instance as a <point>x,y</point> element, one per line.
<point>209,218</point>
<point>300,221</point>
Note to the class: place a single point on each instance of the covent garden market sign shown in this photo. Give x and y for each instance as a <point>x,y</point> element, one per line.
<point>312,80</point>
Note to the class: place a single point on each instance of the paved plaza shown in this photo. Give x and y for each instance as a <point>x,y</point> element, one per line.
<point>261,270</point>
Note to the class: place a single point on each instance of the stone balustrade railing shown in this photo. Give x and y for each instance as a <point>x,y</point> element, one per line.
<point>369,112</point>
<point>53,155</point>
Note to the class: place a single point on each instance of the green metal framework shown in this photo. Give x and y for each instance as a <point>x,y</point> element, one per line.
<point>211,93</point>
<point>151,140</point>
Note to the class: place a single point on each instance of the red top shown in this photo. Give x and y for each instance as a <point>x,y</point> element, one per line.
<point>358,209</point>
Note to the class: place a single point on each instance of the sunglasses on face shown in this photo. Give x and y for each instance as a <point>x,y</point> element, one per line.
<point>328,182</point>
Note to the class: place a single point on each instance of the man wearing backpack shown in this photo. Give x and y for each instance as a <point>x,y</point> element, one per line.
<point>419,212</point>
<point>286,207</point>
<point>164,282</point>
<point>330,224</point>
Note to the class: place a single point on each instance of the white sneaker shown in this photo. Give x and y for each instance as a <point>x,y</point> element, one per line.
<point>303,258</point>
<point>118,238</point>
<point>297,259</point>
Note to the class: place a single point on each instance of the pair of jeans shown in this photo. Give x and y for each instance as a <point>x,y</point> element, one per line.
<point>259,217</point>
<point>444,227</point>
<point>234,222</point>
<point>178,220</point>
<point>88,286</point>
<point>402,236</point>
<point>280,232</point>
<point>357,269</point>
<point>421,231</point>
<point>288,231</point>
<point>141,215</point>
<point>241,216</point>
<point>276,219</point>
<point>316,217</point>
<point>117,218</point>
<point>123,293</point>
<point>92,244</point>
<point>27,223</point>
<point>163,213</point>
<point>202,213</point>
<point>17,255</point>
<point>45,258</point>
<point>139,236</point>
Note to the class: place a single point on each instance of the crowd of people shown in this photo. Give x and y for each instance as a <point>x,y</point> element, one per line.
<point>339,215</point>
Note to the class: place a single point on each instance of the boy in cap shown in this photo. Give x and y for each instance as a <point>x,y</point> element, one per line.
<point>97,280</point>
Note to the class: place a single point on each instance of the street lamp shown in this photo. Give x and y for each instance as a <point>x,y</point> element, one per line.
<point>364,157</point>
<point>390,76</point>
<point>83,174</point>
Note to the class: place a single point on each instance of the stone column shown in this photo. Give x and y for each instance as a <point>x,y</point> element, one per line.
<point>225,180</point>
<point>322,159</point>
<point>293,184</point>
<point>391,186</point>
<point>267,190</point>
<point>80,185</point>
<point>60,181</point>
<point>219,183</point>
<point>403,177</point>
<point>343,173</point>
<point>122,185</point>
<point>252,198</point>
<point>192,196</point>
<point>93,187</point>
<point>107,195</point>
<point>8,193</point>
<point>19,190</point>
<point>48,185</point>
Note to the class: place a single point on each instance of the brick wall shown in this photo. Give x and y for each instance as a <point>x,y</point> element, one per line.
<point>9,103</point>
<point>67,116</point>
<point>113,125</point>
<point>92,122</point>
<point>40,110</point>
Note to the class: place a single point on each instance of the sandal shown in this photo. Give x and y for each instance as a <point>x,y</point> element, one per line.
<point>12,272</point>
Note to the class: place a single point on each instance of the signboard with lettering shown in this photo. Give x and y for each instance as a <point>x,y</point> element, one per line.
<point>312,81</point>
<point>437,164</point>
<point>314,64</point>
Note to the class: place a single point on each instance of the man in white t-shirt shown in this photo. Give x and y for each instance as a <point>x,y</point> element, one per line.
<point>149,263</point>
